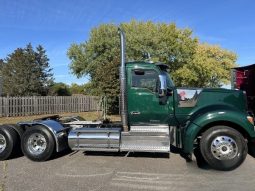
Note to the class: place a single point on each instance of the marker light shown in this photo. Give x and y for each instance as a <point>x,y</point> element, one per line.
<point>250,119</point>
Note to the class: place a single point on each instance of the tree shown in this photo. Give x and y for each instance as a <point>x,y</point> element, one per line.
<point>99,57</point>
<point>44,71</point>
<point>59,89</point>
<point>1,79</point>
<point>25,72</point>
<point>1,65</point>
<point>191,63</point>
<point>77,89</point>
<point>210,67</point>
<point>89,89</point>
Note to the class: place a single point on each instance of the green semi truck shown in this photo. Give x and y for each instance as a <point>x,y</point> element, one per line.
<point>156,116</point>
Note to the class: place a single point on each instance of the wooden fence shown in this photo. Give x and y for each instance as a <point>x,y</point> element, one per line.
<point>24,106</point>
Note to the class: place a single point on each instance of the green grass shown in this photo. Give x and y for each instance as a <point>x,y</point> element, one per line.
<point>89,116</point>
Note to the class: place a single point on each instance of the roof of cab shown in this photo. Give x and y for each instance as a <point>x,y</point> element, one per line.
<point>162,66</point>
<point>139,62</point>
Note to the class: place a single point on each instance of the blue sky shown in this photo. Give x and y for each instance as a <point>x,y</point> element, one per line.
<point>56,24</point>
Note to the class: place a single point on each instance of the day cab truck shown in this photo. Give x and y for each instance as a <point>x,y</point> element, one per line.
<point>155,117</point>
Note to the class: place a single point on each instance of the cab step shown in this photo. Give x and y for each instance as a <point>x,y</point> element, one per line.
<point>146,139</point>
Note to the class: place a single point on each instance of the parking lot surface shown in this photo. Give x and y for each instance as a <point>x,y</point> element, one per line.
<point>113,171</point>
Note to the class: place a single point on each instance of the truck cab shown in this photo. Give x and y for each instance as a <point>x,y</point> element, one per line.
<point>146,104</point>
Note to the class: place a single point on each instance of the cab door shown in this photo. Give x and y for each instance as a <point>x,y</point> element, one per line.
<point>144,104</point>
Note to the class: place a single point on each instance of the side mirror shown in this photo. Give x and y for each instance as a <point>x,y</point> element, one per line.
<point>163,86</point>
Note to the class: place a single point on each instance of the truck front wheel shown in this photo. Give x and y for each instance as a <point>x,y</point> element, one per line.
<point>37,143</point>
<point>223,148</point>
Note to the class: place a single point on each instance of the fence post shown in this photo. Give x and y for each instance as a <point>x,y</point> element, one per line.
<point>7,106</point>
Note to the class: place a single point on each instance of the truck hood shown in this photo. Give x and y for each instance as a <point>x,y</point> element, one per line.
<point>194,101</point>
<point>195,98</point>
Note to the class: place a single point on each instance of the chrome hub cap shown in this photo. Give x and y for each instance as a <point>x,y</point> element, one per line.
<point>37,144</point>
<point>2,143</point>
<point>224,148</point>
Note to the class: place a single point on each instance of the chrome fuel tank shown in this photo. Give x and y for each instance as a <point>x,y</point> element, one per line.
<point>94,139</point>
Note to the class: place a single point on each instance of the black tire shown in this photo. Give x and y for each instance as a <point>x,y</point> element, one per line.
<point>47,140</point>
<point>10,139</point>
<point>201,162</point>
<point>234,159</point>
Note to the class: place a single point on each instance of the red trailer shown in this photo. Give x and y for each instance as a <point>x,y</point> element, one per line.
<point>243,78</point>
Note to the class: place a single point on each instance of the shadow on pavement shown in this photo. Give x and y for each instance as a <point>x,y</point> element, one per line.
<point>201,163</point>
<point>17,154</point>
<point>60,154</point>
<point>127,154</point>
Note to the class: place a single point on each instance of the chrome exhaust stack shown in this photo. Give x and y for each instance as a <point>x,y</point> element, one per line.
<point>123,86</point>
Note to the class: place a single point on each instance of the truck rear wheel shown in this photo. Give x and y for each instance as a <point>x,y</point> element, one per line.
<point>8,142</point>
<point>37,143</point>
<point>223,148</point>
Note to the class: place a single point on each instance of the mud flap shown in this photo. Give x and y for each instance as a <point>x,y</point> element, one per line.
<point>251,148</point>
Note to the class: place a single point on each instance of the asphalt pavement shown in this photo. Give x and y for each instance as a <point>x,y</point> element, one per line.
<point>113,171</point>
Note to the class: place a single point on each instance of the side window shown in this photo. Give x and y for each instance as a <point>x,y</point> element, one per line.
<point>145,79</point>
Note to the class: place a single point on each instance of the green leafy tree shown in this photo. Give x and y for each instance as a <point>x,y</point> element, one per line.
<point>60,89</point>
<point>99,57</point>
<point>77,89</point>
<point>210,67</point>
<point>89,89</point>
<point>24,72</point>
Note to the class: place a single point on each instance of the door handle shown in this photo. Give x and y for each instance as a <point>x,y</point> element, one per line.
<point>135,113</point>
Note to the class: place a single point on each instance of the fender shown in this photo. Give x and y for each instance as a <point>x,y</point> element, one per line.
<point>58,131</point>
<point>226,114</point>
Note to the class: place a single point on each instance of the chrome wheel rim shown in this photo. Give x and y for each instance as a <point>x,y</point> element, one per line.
<point>2,143</point>
<point>37,144</point>
<point>224,148</point>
